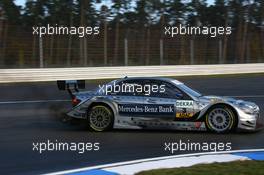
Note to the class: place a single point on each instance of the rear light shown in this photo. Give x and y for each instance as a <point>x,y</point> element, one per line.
<point>75,101</point>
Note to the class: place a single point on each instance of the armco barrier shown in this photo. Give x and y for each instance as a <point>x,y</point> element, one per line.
<point>89,73</point>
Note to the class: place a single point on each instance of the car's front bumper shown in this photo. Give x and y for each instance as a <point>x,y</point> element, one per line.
<point>250,122</point>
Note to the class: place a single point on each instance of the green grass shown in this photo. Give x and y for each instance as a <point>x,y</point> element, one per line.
<point>230,168</point>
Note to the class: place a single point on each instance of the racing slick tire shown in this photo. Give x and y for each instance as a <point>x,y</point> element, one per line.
<point>100,118</point>
<point>220,119</point>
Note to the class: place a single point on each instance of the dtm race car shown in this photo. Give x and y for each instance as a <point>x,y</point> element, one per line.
<point>158,103</point>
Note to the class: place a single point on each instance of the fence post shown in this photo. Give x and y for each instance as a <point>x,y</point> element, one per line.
<point>248,53</point>
<point>191,52</point>
<point>85,52</point>
<point>220,59</point>
<point>2,40</point>
<point>105,43</point>
<point>161,52</point>
<point>126,52</point>
<point>41,61</point>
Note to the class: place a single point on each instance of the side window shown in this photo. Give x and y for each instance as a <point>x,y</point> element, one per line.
<point>130,88</point>
<point>152,88</point>
<point>166,90</point>
<point>170,91</point>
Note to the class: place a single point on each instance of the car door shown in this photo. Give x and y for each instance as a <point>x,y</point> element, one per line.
<point>171,97</point>
<point>128,100</point>
<point>162,102</point>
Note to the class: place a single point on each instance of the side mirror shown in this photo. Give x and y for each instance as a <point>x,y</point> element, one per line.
<point>179,95</point>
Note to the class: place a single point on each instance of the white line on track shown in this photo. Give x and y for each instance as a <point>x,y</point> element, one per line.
<point>31,101</point>
<point>150,159</point>
<point>50,101</point>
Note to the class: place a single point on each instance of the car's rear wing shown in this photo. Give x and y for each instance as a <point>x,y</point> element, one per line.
<point>71,85</point>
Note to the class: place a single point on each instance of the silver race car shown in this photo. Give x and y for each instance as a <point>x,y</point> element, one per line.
<point>158,103</point>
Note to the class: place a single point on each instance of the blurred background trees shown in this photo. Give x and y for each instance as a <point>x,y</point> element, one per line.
<point>131,32</point>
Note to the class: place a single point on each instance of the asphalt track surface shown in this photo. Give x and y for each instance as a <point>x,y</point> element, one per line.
<point>26,117</point>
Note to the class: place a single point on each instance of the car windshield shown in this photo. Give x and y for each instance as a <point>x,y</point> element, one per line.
<point>189,91</point>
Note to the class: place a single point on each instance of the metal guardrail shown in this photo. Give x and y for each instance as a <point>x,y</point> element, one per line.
<point>89,73</point>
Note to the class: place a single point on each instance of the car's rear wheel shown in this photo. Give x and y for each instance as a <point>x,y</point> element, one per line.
<point>220,119</point>
<point>100,118</point>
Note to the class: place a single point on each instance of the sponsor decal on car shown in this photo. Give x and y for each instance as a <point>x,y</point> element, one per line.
<point>184,115</point>
<point>184,104</point>
<point>146,109</point>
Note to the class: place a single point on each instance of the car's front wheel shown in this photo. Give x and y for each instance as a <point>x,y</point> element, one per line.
<point>100,118</point>
<point>220,119</point>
